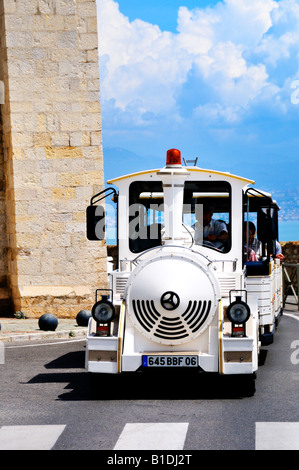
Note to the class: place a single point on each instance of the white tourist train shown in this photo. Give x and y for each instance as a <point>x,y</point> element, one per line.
<point>186,290</point>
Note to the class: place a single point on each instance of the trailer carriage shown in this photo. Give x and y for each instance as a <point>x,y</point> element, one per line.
<point>177,299</point>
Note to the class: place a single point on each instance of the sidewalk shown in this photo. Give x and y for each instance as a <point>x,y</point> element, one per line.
<point>13,329</point>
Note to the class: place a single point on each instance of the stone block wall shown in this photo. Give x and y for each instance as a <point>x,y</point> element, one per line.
<point>290,251</point>
<point>51,154</point>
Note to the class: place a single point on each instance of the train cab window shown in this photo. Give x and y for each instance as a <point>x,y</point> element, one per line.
<point>207,210</point>
<point>146,215</point>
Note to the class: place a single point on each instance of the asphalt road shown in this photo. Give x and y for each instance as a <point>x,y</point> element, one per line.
<point>47,387</point>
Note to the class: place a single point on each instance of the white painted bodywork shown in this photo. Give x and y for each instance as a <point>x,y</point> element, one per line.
<point>196,274</point>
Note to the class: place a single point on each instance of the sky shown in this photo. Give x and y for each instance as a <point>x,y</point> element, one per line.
<point>218,80</point>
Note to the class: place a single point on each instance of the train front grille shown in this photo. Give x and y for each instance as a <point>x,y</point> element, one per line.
<point>169,327</point>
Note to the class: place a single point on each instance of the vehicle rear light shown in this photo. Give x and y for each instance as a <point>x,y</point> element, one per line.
<point>103,330</point>
<point>238,331</point>
<point>173,157</point>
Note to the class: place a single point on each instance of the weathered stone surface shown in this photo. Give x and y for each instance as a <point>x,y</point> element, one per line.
<point>50,154</point>
<point>291,251</point>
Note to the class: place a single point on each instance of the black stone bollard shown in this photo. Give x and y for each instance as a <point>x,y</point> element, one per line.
<point>83,317</point>
<point>48,322</point>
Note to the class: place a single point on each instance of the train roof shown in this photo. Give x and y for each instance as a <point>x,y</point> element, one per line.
<point>257,197</point>
<point>190,169</point>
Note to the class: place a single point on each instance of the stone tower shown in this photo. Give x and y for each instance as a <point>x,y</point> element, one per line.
<point>51,155</point>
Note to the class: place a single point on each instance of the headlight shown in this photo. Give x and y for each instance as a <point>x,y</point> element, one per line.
<point>238,312</point>
<point>103,311</point>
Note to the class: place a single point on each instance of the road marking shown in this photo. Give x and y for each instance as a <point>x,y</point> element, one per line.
<point>45,344</point>
<point>29,437</point>
<point>276,436</point>
<point>152,436</point>
<point>291,315</point>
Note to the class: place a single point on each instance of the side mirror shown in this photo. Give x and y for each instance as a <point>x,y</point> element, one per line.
<point>267,224</point>
<point>95,222</point>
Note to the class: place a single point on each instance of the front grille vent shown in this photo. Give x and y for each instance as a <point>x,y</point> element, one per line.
<point>120,285</point>
<point>171,328</point>
<point>226,285</point>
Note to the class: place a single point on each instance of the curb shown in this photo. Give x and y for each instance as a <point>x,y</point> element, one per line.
<point>40,336</point>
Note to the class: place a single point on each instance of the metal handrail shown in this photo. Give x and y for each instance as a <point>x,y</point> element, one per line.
<point>290,282</point>
<point>208,260</point>
<point>162,247</point>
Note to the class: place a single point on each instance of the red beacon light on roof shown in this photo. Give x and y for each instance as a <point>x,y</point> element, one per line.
<point>173,157</point>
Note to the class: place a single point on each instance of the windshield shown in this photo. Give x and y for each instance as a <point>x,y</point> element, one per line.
<point>206,215</point>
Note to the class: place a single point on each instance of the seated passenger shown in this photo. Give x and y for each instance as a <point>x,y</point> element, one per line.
<point>253,243</point>
<point>211,231</point>
<point>249,253</point>
<point>256,245</point>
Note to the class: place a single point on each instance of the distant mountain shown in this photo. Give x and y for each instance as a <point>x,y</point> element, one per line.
<point>280,182</point>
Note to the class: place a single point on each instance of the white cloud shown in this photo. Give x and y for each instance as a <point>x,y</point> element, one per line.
<point>283,39</point>
<point>139,62</point>
<point>228,47</point>
<point>245,21</point>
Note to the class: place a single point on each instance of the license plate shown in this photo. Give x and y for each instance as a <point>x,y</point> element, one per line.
<point>170,361</point>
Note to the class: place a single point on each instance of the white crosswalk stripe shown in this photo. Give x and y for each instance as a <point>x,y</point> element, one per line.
<point>152,436</point>
<point>276,436</point>
<point>29,437</point>
<point>147,436</point>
